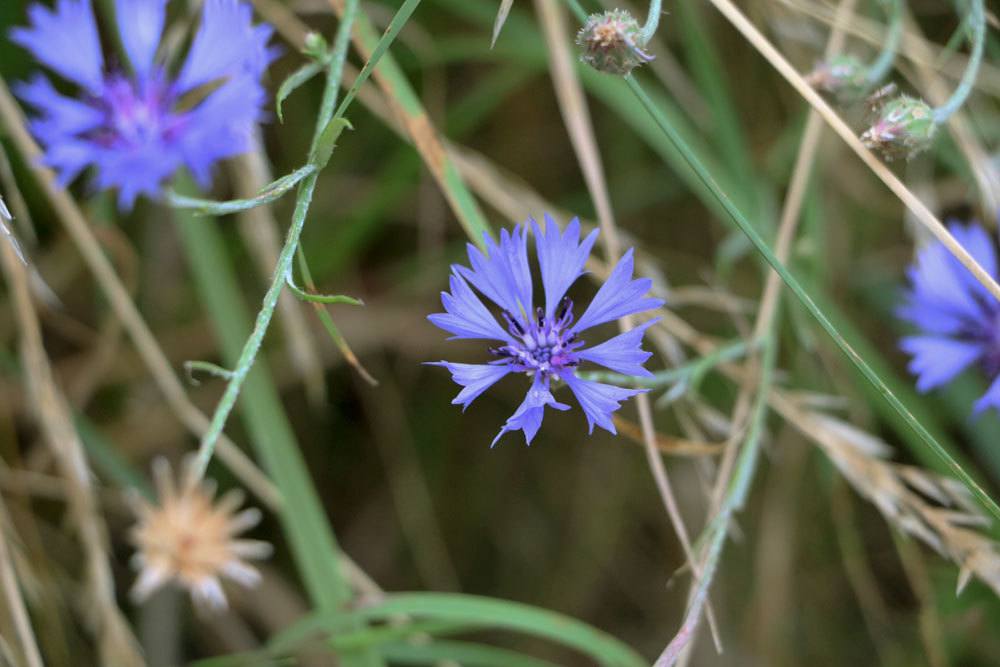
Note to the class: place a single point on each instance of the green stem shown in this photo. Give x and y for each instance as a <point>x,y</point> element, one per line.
<point>796,287</point>
<point>883,63</point>
<point>304,522</point>
<point>977,24</point>
<point>652,22</point>
<point>305,193</point>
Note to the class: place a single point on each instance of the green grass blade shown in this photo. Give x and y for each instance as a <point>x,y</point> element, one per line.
<point>487,613</point>
<point>269,193</point>
<point>738,218</point>
<point>467,654</point>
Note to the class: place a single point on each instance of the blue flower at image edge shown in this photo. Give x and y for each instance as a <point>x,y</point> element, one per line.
<point>544,342</point>
<point>137,126</point>
<point>958,319</point>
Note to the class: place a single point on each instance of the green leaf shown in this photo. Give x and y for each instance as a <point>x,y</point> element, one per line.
<point>294,80</point>
<point>269,193</point>
<point>397,23</point>
<point>486,613</point>
<point>467,654</point>
<point>327,141</point>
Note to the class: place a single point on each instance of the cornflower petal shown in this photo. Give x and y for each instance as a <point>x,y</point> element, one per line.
<point>140,23</point>
<point>598,400</point>
<point>543,343</point>
<point>561,258</point>
<point>466,316</point>
<point>937,360</point>
<point>528,416</point>
<point>980,245</point>
<point>131,127</point>
<point>938,279</point>
<point>618,297</point>
<point>224,45</point>
<point>623,353</point>
<point>991,399</point>
<point>931,317</point>
<point>221,126</point>
<point>61,116</point>
<point>134,170</point>
<point>474,379</point>
<point>65,40</point>
<point>503,274</point>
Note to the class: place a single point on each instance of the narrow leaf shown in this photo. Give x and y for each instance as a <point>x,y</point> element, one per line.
<point>269,193</point>
<point>327,141</point>
<point>294,80</point>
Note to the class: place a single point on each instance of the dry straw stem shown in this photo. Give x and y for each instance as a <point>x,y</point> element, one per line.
<point>922,213</point>
<point>411,114</point>
<point>667,444</point>
<point>79,230</point>
<point>115,642</point>
<point>931,630</point>
<point>12,595</point>
<point>576,117</point>
<point>764,324</point>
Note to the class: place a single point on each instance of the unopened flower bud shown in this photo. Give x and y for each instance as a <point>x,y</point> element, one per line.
<point>843,76</point>
<point>315,46</point>
<point>903,128</point>
<point>612,42</point>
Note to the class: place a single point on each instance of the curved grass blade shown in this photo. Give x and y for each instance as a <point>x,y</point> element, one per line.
<point>294,80</point>
<point>467,654</point>
<point>485,613</point>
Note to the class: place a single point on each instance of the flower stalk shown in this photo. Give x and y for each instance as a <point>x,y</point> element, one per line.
<point>322,144</point>
<point>883,62</point>
<point>652,22</point>
<point>977,26</point>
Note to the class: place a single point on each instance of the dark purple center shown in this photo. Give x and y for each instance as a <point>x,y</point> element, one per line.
<point>137,112</point>
<point>543,345</point>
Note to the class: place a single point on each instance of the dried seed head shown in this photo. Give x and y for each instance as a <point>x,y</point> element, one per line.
<point>612,42</point>
<point>843,76</point>
<point>192,540</point>
<point>903,127</point>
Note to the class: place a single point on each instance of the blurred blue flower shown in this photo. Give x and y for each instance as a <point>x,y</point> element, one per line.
<point>137,126</point>
<point>958,319</point>
<point>544,342</point>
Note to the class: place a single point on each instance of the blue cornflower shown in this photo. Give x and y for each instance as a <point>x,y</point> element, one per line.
<point>959,320</point>
<point>544,342</point>
<point>137,126</point>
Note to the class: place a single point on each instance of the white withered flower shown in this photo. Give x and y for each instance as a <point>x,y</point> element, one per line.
<point>192,540</point>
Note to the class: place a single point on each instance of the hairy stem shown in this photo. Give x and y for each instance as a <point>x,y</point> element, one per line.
<point>883,63</point>
<point>652,22</point>
<point>304,199</point>
<point>977,26</point>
